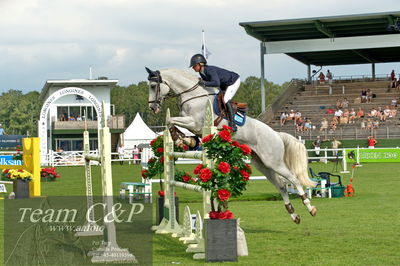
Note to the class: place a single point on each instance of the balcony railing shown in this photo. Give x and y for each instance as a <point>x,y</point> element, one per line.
<point>114,122</point>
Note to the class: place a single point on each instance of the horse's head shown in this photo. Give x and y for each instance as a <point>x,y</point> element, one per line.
<point>158,90</point>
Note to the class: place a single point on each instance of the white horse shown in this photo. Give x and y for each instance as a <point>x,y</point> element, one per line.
<point>279,156</point>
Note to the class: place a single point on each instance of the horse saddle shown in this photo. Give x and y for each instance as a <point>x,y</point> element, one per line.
<point>220,109</point>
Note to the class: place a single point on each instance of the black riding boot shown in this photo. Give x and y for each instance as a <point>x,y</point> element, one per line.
<point>231,119</point>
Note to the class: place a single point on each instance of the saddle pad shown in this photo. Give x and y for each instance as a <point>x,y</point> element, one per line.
<point>240,117</point>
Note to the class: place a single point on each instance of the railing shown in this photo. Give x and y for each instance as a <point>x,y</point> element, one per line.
<point>114,122</point>
<point>356,78</point>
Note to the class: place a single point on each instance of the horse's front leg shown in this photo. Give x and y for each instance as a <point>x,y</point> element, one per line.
<point>187,122</point>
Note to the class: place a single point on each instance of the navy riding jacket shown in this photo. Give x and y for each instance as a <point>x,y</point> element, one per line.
<point>218,77</point>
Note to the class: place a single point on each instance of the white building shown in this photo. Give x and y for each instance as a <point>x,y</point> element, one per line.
<point>66,104</point>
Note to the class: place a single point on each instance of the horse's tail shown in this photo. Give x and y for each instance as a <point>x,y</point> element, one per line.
<point>296,159</point>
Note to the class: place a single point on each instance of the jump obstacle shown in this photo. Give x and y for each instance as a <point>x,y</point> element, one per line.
<point>109,251</point>
<point>31,163</point>
<point>169,223</point>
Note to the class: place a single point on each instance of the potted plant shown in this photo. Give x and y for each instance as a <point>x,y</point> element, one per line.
<point>48,174</point>
<point>21,179</point>
<point>227,179</point>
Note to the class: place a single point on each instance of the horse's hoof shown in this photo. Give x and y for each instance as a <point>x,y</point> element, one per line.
<point>313,211</point>
<point>297,219</point>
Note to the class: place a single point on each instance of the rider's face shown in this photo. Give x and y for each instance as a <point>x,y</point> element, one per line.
<point>197,67</point>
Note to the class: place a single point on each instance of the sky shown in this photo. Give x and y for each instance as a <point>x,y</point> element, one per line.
<point>60,39</point>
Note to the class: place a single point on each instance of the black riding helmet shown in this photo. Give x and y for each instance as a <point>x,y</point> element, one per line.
<point>197,58</point>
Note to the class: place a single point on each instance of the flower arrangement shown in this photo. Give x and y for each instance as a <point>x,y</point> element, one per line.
<point>18,155</point>
<point>230,174</point>
<point>155,164</point>
<point>14,174</point>
<point>49,174</point>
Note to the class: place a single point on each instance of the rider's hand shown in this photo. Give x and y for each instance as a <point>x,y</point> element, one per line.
<point>201,82</point>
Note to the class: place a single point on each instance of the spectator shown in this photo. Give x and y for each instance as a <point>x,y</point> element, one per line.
<point>299,124</point>
<point>283,118</point>
<point>78,118</point>
<point>363,96</point>
<point>324,124</point>
<point>297,116</point>
<point>62,118</point>
<point>369,123</point>
<point>371,142</point>
<point>352,116</point>
<point>291,117</point>
<point>360,113</point>
<point>363,124</point>
<point>344,119</point>
<point>121,153</point>
<point>335,145</point>
<point>339,103</point>
<point>375,124</point>
<point>333,124</point>
<point>392,112</point>
<point>386,111</point>
<point>321,78</point>
<point>373,112</point>
<point>329,77</point>
<point>307,125</point>
<point>370,95</point>
<point>345,103</point>
<point>338,114</point>
<point>317,144</point>
<point>135,153</point>
<point>2,132</point>
<point>392,75</point>
<point>394,102</point>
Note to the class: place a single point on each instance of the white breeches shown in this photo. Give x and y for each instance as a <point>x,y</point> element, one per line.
<point>231,91</point>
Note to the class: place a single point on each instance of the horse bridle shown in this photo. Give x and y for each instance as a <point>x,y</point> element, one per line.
<point>157,78</point>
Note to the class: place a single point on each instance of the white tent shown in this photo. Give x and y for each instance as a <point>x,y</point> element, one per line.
<point>137,133</point>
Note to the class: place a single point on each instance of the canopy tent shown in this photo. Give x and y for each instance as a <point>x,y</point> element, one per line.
<point>137,133</point>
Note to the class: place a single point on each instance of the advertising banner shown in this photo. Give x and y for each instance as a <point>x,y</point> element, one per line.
<point>10,141</point>
<point>375,155</point>
<point>7,160</point>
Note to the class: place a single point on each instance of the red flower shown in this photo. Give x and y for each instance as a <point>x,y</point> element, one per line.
<point>225,215</point>
<point>161,193</point>
<point>152,142</point>
<point>207,138</point>
<point>225,135</point>
<point>6,171</point>
<point>236,168</point>
<point>213,215</point>
<point>205,175</point>
<point>246,176</point>
<point>224,194</point>
<point>224,167</point>
<point>235,143</point>
<point>162,159</point>
<point>151,160</point>
<point>186,178</point>
<point>196,170</point>
<point>144,173</point>
<point>160,150</point>
<point>20,170</point>
<point>227,128</point>
<point>248,168</point>
<point>245,149</point>
<point>185,147</point>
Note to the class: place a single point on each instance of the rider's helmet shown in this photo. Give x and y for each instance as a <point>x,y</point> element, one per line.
<point>197,58</point>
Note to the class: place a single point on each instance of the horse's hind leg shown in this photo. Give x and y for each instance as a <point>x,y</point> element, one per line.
<point>274,179</point>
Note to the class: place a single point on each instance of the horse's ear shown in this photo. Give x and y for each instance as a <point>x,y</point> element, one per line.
<point>151,73</point>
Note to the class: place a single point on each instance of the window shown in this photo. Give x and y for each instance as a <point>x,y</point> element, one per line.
<point>70,113</point>
<point>75,144</point>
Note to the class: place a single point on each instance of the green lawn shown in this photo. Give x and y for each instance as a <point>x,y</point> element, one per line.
<point>346,231</point>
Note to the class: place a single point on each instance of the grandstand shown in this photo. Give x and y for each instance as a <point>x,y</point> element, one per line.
<point>313,101</point>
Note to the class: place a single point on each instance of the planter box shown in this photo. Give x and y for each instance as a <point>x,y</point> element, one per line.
<point>21,188</point>
<point>160,209</point>
<point>337,191</point>
<point>220,240</point>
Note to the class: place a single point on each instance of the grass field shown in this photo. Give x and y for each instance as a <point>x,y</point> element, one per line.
<point>346,231</point>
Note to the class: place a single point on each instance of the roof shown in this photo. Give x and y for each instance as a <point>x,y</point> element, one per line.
<point>76,83</point>
<point>381,28</point>
<point>138,130</point>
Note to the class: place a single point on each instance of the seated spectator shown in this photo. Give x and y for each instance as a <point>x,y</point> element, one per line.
<point>345,103</point>
<point>375,124</point>
<point>299,124</point>
<point>344,119</point>
<point>352,116</point>
<point>373,112</point>
<point>71,118</point>
<point>360,113</point>
<point>333,125</point>
<point>394,101</point>
<point>370,95</point>
<point>297,116</point>
<point>307,125</point>
<point>386,111</point>
<point>283,117</point>
<point>363,124</point>
<point>338,114</point>
<point>363,96</point>
<point>381,114</point>
<point>324,124</point>
<point>291,117</point>
<point>339,103</point>
<point>392,112</point>
<point>62,118</point>
<point>369,123</point>
<point>78,118</point>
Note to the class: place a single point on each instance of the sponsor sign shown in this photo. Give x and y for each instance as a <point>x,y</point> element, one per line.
<point>7,160</point>
<point>10,141</point>
<point>377,155</point>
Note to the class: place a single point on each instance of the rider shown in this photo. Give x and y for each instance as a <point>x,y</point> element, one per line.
<point>213,76</point>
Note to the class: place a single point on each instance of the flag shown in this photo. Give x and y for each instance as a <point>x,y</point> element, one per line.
<point>206,53</point>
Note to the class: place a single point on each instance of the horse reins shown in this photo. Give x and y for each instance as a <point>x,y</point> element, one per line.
<point>159,80</point>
